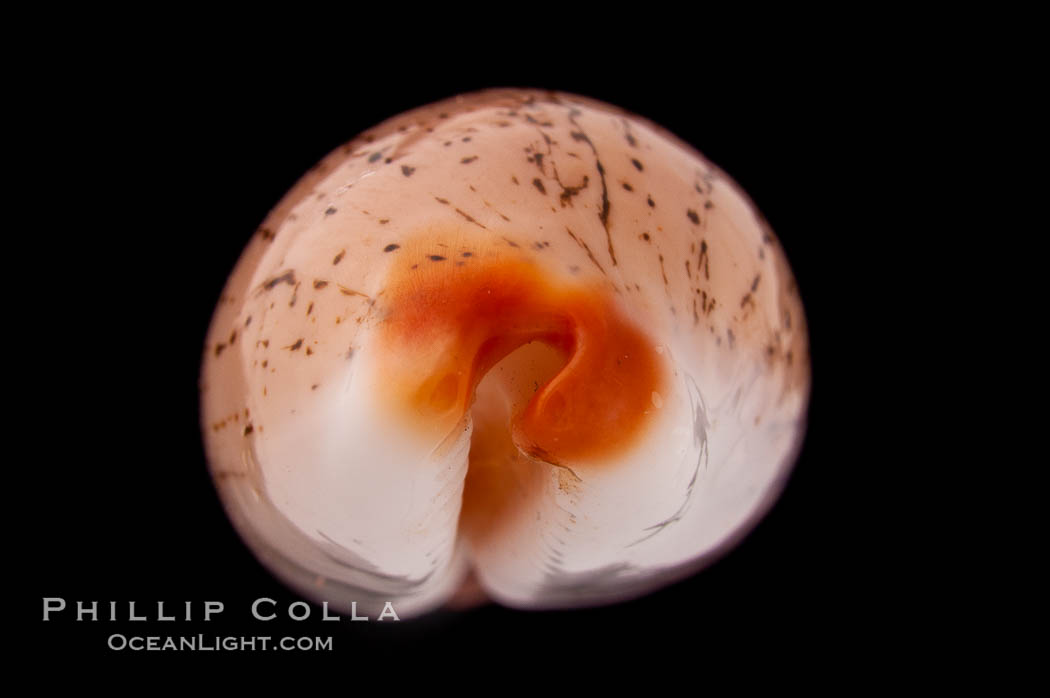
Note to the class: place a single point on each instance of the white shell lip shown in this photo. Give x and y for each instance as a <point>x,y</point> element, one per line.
<point>322,573</point>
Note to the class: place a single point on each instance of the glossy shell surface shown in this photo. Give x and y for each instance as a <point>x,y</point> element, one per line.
<point>516,332</point>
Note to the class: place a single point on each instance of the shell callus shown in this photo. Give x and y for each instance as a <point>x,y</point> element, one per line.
<point>515,333</point>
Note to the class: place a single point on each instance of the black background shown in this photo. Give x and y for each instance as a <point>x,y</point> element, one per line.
<point>151,171</point>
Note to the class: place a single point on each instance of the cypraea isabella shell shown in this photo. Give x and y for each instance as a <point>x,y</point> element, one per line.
<point>516,332</point>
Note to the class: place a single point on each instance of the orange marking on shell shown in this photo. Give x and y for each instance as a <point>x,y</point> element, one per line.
<point>445,325</point>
